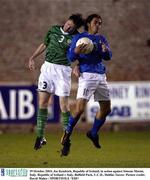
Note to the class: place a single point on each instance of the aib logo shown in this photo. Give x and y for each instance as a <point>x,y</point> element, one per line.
<point>2,172</point>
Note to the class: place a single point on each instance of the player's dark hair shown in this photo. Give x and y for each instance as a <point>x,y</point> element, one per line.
<point>77,19</point>
<point>89,19</point>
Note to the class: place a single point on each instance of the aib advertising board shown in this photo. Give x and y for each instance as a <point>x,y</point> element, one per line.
<point>130,101</point>
<point>18,104</point>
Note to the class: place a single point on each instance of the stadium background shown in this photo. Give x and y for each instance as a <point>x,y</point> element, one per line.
<point>23,24</point>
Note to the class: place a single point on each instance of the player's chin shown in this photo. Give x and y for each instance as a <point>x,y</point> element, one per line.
<point>70,31</point>
<point>96,30</point>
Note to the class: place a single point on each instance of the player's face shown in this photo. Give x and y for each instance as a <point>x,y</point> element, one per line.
<point>94,25</point>
<point>69,26</point>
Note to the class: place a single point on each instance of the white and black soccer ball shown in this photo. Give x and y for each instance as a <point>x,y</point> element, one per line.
<point>85,40</point>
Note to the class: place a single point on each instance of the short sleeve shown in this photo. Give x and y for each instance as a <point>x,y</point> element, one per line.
<point>47,38</point>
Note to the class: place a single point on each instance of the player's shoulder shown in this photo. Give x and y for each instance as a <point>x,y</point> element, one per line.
<point>55,28</point>
<point>80,35</point>
<point>83,34</point>
<point>102,37</point>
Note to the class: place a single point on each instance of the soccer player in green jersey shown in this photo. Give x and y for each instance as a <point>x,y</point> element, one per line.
<point>55,77</point>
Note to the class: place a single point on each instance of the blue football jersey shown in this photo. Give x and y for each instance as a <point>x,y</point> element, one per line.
<point>91,62</point>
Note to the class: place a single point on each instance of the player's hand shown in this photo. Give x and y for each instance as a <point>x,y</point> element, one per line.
<point>80,49</point>
<point>76,71</point>
<point>104,47</point>
<point>31,64</point>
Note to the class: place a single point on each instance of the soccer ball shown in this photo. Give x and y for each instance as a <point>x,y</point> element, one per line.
<point>87,41</point>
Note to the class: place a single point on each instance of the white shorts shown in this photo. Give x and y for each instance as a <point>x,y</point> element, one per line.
<point>93,84</point>
<point>55,79</point>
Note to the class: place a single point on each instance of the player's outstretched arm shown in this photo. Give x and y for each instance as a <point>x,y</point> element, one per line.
<point>106,52</point>
<point>41,48</point>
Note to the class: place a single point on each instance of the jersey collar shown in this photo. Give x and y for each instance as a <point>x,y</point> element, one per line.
<point>63,31</point>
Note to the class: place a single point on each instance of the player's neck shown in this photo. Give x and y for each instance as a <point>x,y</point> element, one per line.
<point>91,32</point>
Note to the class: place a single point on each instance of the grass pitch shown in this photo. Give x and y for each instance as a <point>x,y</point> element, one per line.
<point>119,149</point>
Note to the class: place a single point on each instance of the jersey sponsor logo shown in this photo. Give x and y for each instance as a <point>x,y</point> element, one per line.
<point>100,41</point>
<point>69,41</point>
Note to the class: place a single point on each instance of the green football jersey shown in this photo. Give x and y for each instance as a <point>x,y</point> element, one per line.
<point>57,43</point>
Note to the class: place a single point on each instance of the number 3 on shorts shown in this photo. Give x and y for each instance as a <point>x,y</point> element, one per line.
<point>44,85</point>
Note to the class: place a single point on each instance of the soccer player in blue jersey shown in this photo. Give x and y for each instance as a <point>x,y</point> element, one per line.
<point>92,80</point>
